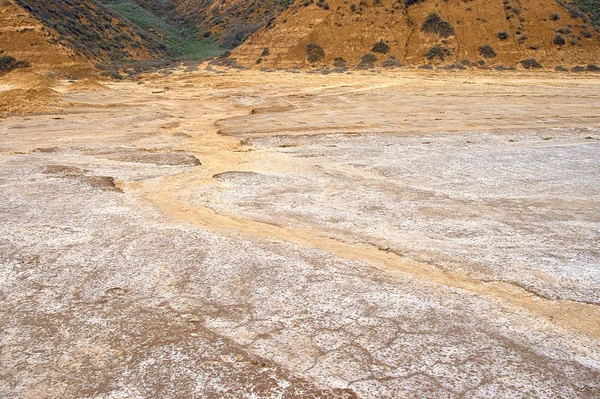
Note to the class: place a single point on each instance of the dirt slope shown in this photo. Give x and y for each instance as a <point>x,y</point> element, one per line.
<point>93,29</point>
<point>232,20</point>
<point>27,39</point>
<point>513,29</point>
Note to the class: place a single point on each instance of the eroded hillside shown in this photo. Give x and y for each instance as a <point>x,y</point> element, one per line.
<point>231,20</point>
<point>35,45</point>
<point>340,33</point>
<point>93,29</point>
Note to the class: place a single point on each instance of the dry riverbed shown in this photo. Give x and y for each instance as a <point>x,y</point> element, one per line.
<point>280,235</point>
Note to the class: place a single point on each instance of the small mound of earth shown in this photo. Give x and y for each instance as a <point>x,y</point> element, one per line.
<point>62,170</point>
<point>87,85</point>
<point>31,101</point>
<point>47,150</point>
<point>157,158</point>
<point>271,110</point>
<point>26,79</point>
<point>106,183</point>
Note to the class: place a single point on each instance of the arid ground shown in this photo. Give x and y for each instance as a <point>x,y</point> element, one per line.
<point>248,234</point>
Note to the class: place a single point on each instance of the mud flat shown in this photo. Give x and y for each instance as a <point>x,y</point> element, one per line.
<point>277,235</point>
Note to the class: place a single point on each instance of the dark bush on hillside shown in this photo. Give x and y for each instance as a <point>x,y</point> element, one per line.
<point>367,61</point>
<point>578,68</point>
<point>391,62</point>
<point>531,63</point>
<point>339,62</point>
<point>265,52</point>
<point>323,4</point>
<point>411,2</point>
<point>380,47</point>
<point>314,53</point>
<point>560,69</point>
<point>438,52</point>
<point>435,24</point>
<point>559,40</point>
<point>592,68</point>
<point>8,63</point>
<point>487,51</point>
<point>554,17</point>
<point>503,35</point>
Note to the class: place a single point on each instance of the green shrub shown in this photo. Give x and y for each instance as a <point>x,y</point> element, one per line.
<point>559,40</point>
<point>503,35</point>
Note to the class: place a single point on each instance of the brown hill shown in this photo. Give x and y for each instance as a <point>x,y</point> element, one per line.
<point>424,32</point>
<point>34,46</point>
<point>92,29</point>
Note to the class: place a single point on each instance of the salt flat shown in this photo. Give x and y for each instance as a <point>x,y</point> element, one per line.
<point>272,235</point>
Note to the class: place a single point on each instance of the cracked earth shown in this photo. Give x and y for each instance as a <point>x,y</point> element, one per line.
<point>278,235</point>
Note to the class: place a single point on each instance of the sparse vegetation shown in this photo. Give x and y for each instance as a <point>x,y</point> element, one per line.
<point>339,62</point>
<point>237,33</point>
<point>367,61</point>
<point>391,62</point>
<point>587,10</point>
<point>487,51</point>
<point>9,63</point>
<point>436,25</point>
<point>559,40</point>
<point>438,52</point>
<point>314,53</point>
<point>503,35</point>
<point>121,29</point>
<point>380,47</point>
<point>323,4</point>
<point>531,63</point>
